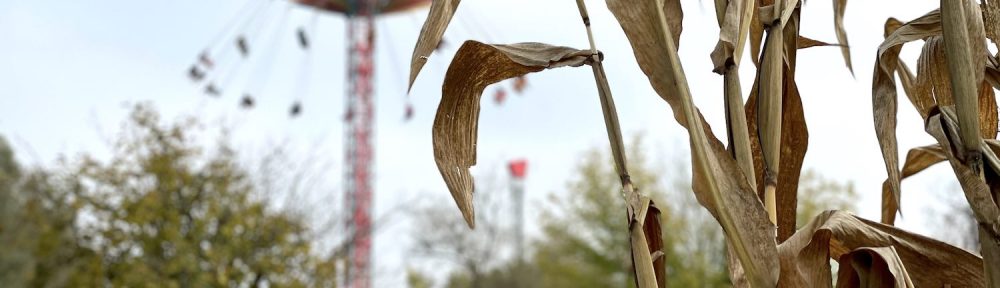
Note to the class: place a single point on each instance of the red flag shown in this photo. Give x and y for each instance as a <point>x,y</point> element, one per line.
<point>518,168</point>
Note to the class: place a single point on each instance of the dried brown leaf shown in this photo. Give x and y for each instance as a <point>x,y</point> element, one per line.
<point>475,66</point>
<point>917,159</point>
<point>839,6</point>
<point>437,21</point>
<point>834,234</point>
<point>987,111</point>
<point>805,42</point>
<point>727,197</point>
<point>884,102</point>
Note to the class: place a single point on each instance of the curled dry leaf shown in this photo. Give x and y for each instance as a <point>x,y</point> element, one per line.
<point>918,159</point>
<point>932,86</point>
<point>723,54</point>
<point>835,234</point>
<point>873,267</point>
<point>475,66</point>
<point>839,6</point>
<point>728,197</point>
<point>437,21</point>
<point>884,102</point>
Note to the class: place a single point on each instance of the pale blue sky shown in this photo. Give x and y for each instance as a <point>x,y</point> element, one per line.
<point>67,67</point>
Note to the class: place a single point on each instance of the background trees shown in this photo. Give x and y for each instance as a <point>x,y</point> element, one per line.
<point>163,209</point>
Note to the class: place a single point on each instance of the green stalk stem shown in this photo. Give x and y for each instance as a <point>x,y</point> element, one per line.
<point>964,90</point>
<point>963,86</point>
<point>769,113</point>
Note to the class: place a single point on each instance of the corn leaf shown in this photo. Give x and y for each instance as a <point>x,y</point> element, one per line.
<point>839,6</point>
<point>438,17</point>
<point>475,66</point>
<point>884,102</point>
<point>836,235</point>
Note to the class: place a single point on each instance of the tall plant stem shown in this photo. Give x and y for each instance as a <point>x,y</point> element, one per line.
<point>643,262</point>
<point>769,112</point>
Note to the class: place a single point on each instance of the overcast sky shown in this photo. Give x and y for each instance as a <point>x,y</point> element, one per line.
<point>67,67</point>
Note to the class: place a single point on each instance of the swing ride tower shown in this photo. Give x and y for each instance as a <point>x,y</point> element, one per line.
<point>359,121</point>
<point>359,117</point>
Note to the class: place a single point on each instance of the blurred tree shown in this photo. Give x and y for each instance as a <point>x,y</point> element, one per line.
<point>441,234</point>
<point>415,279</point>
<point>160,212</point>
<point>818,194</point>
<point>585,245</point>
<point>953,219</point>
<point>40,247</point>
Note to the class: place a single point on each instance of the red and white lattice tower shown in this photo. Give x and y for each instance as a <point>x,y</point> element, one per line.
<point>359,120</point>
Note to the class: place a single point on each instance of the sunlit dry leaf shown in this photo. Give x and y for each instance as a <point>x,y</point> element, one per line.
<point>727,197</point>
<point>918,159</point>
<point>475,66</point>
<point>884,101</point>
<point>873,267</point>
<point>437,21</point>
<point>833,234</point>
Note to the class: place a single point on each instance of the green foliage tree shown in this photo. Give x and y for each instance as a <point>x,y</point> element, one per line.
<point>159,212</point>
<point>40,247</point>
<point>583,243</point>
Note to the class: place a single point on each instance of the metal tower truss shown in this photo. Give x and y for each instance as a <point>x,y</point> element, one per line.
<point>359,121</point>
